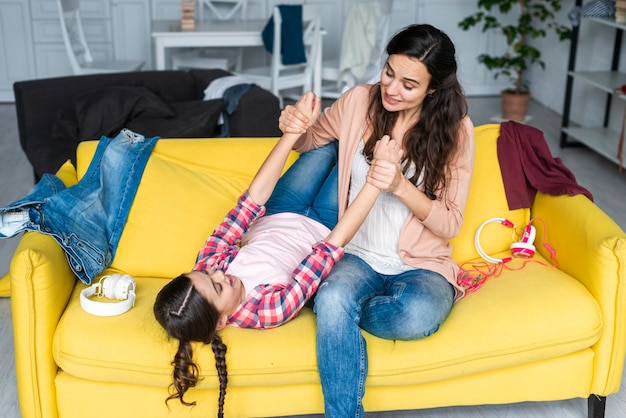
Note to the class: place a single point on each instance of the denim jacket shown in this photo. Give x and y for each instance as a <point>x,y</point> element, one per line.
<point>86,219</point>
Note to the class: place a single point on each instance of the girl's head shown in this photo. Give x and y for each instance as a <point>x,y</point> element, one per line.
<point>187,316</point>
<point>224,292</point>
<point>419,82</point>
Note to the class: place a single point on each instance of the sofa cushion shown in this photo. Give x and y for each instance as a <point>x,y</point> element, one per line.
<point>67,174</point>
<point>486,200</point>
<point>512,320</point>
<point>179,201</point>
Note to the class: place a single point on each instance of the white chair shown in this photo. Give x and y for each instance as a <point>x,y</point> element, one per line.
<point>77,48</point>
<point>223,9</point>
<point>224,58</point>
<point>278,77</point>
<point>365,35</point>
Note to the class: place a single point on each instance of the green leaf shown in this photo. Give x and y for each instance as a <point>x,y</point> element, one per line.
<point>538,21</point>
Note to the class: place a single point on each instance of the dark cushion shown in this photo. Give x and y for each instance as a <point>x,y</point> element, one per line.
<point>193,119</point>
<point>106,111</point>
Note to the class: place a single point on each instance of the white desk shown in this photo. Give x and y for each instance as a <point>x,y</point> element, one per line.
<point>168,34</point>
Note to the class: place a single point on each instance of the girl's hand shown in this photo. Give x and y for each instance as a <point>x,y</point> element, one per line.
<point>296,119</point>
<point>388,149</point>
<point>385,172</point>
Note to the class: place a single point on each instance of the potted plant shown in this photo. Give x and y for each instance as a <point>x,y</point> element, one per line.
<point>535,18</point>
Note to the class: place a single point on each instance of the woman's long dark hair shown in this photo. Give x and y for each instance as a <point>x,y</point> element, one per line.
<point>432,142</point>
<point>187,316</point>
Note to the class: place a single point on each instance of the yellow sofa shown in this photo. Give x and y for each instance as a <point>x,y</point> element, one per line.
<point>538,333</point>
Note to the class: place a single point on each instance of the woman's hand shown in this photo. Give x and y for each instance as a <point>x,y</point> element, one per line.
<point>385,172</point>
<point>294,121</point>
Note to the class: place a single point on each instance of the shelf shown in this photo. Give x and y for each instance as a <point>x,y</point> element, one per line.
<point>608,22</point>
<point>607,81</point>
<point>604,141</point>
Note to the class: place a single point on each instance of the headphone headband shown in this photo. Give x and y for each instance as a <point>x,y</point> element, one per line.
<point>522,248</point>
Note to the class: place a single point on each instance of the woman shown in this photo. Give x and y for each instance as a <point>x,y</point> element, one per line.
<point>396,279</point>
<point>268,256</point>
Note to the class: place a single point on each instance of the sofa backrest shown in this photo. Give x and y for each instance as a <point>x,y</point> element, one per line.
<point>52,120</point>
<point>39,103</point>
<point>189,185</point>
<point>486,200</point>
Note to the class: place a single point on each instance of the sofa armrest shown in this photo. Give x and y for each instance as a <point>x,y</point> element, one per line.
<point>41,284</point>
<point>256,115</point>
<point>257,112</point>
<point>591,247</point>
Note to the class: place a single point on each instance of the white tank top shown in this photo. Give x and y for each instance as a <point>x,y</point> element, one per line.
<point>376,242</point>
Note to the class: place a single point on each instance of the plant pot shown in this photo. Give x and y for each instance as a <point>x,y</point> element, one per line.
<point>515,105</point>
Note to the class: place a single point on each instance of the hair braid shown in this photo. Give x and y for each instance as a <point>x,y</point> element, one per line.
<point>219,349</point>
<point>187,316</point>
<point>185,373</point>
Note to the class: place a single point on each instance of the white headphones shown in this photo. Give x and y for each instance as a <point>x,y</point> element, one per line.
<point>522,248</point>
<point>116,286</point>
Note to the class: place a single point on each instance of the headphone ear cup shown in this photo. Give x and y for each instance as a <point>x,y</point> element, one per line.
<point>121,287</point>
<point>109,284</point>
<point>117,286</point>
<point>522,249</point>
<point>528,237</point>
<point>125,286</point>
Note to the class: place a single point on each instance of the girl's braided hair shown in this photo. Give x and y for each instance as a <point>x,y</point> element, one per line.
<point>187,316</point>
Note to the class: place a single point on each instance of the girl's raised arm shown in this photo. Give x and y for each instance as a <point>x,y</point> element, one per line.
<point>265,180</point>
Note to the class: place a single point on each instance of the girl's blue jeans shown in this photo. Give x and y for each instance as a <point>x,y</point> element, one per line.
<point>406,306</point>
<point>309,187</point>
<point>88,218</point>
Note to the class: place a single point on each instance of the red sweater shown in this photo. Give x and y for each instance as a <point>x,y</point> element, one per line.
<point>527,166</point>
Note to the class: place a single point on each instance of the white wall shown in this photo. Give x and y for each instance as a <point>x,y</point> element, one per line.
<point>548,86</point>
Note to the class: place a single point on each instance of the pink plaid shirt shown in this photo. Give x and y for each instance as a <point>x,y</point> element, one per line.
<point>268,305</point>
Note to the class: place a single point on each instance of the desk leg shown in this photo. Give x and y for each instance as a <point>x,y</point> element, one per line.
<point>317,71</point>
<point>159,52</point>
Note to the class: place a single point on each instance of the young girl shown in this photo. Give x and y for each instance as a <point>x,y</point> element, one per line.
<point>397,279</point>
<point>256,285</point>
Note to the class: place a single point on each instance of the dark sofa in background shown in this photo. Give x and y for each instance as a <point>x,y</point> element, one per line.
<point>55,114</point>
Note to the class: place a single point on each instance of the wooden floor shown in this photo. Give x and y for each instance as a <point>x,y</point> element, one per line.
<point>593,172</point>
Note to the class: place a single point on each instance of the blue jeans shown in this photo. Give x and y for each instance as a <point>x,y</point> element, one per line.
<point>86,219</point>
<point>309,187</point>
<point>406,306</point>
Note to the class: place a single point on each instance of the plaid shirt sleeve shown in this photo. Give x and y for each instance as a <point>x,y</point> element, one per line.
<point>222,245</point>
<point>269,306</point>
